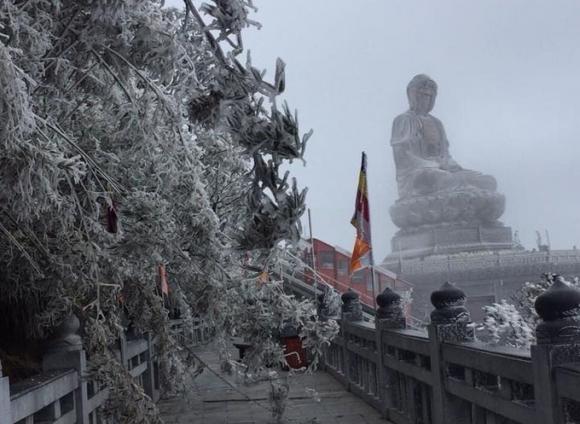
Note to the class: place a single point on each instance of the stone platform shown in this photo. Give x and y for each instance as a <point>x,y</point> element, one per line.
<point>448,240</point>
<point>218,398</point>
<point>486,277</point>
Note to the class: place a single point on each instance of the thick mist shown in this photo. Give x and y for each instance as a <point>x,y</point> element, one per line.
<point>509,97</point>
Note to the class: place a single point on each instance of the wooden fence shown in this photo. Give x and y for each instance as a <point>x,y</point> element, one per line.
<point>62,394</point>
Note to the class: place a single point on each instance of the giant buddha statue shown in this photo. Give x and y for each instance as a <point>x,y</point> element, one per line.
<point>421,149</point>
<point>437,196</point>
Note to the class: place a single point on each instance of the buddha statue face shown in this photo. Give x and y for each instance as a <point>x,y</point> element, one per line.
<point>422,92</point>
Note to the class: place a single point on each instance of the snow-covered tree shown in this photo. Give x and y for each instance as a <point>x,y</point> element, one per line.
<point>504,325</point>
<point>133,137</point>
<point>514,324</point>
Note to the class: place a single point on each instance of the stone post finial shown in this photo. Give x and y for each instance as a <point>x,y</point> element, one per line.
<point>449,303</point>
<point>559,309</point>
<point>65,337</point>
<point>390,311</point>
<point>451,317</point>
<point>322,304</point>
<point>351,307</point>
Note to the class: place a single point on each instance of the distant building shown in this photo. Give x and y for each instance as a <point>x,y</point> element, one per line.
<point>332,263</point>
<point>486,277</point>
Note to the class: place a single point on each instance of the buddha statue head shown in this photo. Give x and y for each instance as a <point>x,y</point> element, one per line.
<point>422,92</point>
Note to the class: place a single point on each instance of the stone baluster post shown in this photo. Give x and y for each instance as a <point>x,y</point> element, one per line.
<point>65,351</point>
<point>390,312</point>
<point>389,316</point>
<point>351,307</point>
<point>557,343</point>
<point>450,323</point>
<point>351,311</point>
<point>322,307</point>
<point>149,374</point>
<point>123,356</point>
<point>5,412</point>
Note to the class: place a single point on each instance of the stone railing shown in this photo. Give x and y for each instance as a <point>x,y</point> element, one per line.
<point>446,376</point>
<point>198,334</point>
<point>500,262</point>
<point>62,394</point>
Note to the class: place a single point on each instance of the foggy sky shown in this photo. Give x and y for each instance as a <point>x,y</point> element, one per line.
<point>509,98</point>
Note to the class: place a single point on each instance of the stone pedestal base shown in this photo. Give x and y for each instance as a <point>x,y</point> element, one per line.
<point>449,239</point>
<point>448,207</point>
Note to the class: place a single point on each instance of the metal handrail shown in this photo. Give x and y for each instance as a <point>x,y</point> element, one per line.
<point>335,284</point>
<point>412,322</point>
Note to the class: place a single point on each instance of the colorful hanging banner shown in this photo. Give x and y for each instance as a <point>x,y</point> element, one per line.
<point>361,220</point>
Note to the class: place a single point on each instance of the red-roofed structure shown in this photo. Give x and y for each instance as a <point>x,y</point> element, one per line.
<point>332,263</point>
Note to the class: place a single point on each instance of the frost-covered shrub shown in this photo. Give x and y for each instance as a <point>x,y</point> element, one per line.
<point>514,324</point>
<point>504,325</point>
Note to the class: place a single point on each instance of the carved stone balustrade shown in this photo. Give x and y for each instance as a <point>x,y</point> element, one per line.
<point>557,348</point>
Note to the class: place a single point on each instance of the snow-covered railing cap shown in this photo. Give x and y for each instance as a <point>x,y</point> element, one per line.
<point>65,337</point>
<point>559,309</point>
<point>349,296</point>
<point>351,307</point>
<point>390,311</point>
<point>449,303</point>
<point>388,298</point>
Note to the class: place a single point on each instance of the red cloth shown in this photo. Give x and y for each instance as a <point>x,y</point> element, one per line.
<point>163,283</point>
<point>112,219</point>
<point>295,355</point>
